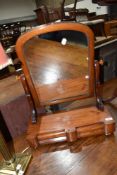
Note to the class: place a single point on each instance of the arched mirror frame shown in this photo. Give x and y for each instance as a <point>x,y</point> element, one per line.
<point>51,28</point>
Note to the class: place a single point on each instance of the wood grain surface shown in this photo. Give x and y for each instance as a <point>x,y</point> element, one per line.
<point>57,71</point>
<point>46,62</point>
<point>91,156</point>
<point>55,127</point>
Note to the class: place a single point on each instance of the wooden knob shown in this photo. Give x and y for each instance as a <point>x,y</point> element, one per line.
<point>101,62</point>
<point>109,125</point>
<point>71,135</point>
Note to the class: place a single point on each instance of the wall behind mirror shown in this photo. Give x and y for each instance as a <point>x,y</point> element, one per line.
<point>16,8</point>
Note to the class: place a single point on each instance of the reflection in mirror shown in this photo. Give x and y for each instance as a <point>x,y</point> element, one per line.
<point>71,37</point>
<point>61,64</point>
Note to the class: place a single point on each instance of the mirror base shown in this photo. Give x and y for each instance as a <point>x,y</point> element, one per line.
<point>22,160</point>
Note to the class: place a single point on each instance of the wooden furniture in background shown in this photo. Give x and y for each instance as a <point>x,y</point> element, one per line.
<point>111,27</point>
<point>42,15</point>
<point>105,2</point>
<point>97,26</point>
<point>45,15</point>
<point>10,32</point>
<point>14,105</point>
<point>106,50</point>
<point>71,12</point>
<point>58,72</point>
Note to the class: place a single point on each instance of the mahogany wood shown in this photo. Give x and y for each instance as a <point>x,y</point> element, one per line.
<point>64,126</point>
<point>29,97</point>
<point>46,15</point>
<point>91,156</point>
<point>51,75</point>
<point>75,79</point>
<point>42,14</point>
<point>71,135</point>
<point>33,76</point>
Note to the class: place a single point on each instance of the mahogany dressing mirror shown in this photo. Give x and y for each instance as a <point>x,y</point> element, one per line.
<point>58,65</point>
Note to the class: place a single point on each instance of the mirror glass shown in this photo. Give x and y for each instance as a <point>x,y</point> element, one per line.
<point>58,64</point>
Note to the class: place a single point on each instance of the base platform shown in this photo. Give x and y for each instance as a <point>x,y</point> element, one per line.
<point>17,167</point>
<point>70,126</point>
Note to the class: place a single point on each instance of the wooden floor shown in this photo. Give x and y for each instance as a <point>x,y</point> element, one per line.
<point>91,156</point>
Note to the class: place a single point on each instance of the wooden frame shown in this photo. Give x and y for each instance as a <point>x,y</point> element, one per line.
<point>72,124</point>
<point>50,28</point>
